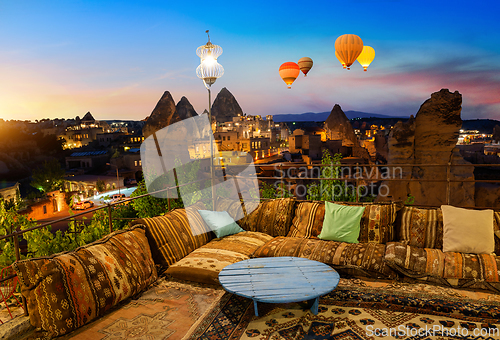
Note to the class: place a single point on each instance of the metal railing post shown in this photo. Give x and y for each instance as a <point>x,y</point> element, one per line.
<point>356,177</point>
<point>110,219</point>
<point>448,183</point>
<point>282,182</point>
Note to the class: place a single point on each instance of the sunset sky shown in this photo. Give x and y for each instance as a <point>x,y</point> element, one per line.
<point>60,59</point>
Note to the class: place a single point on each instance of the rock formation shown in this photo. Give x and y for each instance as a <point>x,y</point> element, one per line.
<point>185,109</point>
<point>163,115</point>
<point>225,107</point>
<point>496,134</point>
<point>430,138</point>
<point>338,127</point>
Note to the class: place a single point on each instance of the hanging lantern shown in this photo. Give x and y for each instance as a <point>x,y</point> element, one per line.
<point>209,69</point>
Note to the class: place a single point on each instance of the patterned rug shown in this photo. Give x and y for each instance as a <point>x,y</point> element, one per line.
<point>359,309</point>
<point>165,311</point>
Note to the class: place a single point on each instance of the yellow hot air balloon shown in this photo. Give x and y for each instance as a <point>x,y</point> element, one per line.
<point>340,59</point>
<point>289,71</point>
<point>366,56</point>
<point>305,65</point>
<point>348,47</point>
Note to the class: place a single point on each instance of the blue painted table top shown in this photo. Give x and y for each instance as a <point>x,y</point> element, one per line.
<point>279,279</point>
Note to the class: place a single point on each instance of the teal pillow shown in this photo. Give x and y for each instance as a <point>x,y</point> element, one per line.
<point>220,222</point>
<point>341,223</point>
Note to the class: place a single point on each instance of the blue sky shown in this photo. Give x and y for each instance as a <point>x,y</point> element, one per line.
<point>116,58</point>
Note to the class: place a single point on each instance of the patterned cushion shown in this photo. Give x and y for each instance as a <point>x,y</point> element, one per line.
<point>377,222</point>
<point>421,227</point>
<point>308,220</point>
<point>234,207</point>
<point>496,229</point>
<point>366,258</point>
<point>451,268</point>
<point>67,290</point>
<point>172,236</point>
<point>205,263</point>
<point>272,217</point>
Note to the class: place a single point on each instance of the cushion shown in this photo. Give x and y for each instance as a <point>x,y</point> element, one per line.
<point>468,231</point>
<point>450,268</point>
<point>420,227</point>
<point>366,259</point>
<point>308,220</point>
<point>341,223</point>
<point>220,222</point>
<point>171,236</point>
<point>376,226</point>
<point>205,263</point>
<point>272,217</point>
<point>496,228</point>
<point>67,290</point>
<point>377,222</point>
<point>415,262</point>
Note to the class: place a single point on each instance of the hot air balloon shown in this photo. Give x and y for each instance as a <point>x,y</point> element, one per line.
<point>348,47</point>
<point>289,71</point>
<point>366,56</point>
<point>340,59</point>
<point>305,65</point>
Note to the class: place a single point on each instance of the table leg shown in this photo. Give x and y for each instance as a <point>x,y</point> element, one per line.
<point>255,308</point>
<point>314,304</point>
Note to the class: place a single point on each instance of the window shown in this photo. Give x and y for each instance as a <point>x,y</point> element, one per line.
<point>135,163</point>
<point>223,138</point>
<point>197,149</point>
<point>140,162</point>
<point>44,209</point>
<point>228,138</point>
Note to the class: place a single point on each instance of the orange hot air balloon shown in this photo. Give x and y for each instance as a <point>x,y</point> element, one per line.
<point>305,65</point>
<point>340,59</point>
<point>349,47</point>
<point>289,71</point>
<point>366,56</point>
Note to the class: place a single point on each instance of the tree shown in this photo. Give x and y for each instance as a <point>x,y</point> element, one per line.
<point>330,186</point>
<point>49,177</point>
<point>100,185</point>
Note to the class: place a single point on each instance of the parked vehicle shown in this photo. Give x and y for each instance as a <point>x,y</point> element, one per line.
<point>130,181</point>
<point>117,197</point>
<point>82,205</point>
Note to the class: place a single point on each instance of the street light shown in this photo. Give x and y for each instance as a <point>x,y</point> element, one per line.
<point>117,178</point>
<point>208,71</point>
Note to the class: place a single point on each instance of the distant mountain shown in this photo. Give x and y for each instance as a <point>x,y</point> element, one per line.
<point>322,116</point>
<point>482,125</point>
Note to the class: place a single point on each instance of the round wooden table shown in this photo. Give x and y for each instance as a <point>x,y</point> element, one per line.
<point>279,280</point>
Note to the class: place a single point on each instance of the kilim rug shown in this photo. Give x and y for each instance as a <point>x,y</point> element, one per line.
<point>165,311</point>
<point>359,309</point>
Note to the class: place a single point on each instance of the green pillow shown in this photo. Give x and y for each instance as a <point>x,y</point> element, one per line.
<point>220,222</point>
<point>341,223</point>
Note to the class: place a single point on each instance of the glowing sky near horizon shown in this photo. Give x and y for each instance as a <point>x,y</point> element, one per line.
<point>60,59</point>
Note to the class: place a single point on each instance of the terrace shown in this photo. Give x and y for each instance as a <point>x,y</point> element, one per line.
<point>182,298</point>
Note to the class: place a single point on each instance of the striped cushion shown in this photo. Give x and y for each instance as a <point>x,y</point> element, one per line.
<point>451,268</point>
<point>67,290</point>
<point>272,217</point>
<point>366,259</point>
<point>205,263</point>
<point>496,229</point>
<point>175,234</point>
<point>308,220</point>
<point>376,226</point>
<point>421,227</point>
